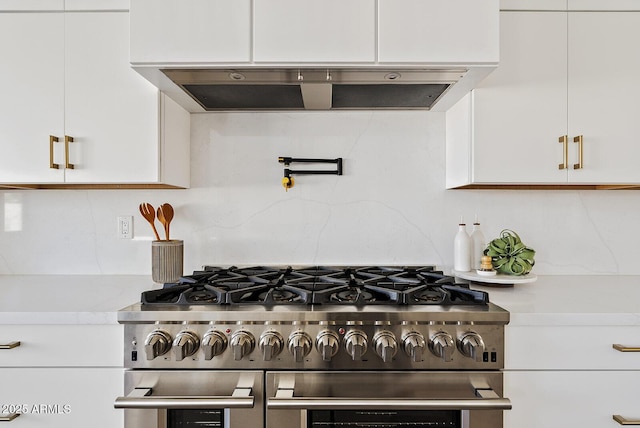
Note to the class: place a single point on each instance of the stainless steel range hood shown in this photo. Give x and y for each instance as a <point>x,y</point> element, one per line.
<point>256,89</point>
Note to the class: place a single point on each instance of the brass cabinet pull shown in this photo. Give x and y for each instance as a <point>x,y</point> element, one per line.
<point>8,417</point>
<point>622,421</point>
<point>67,140</point>
<point>565,152</point>
<point>578,140</point>
<point>623,348</point>
<point>52,139</point>
<point>10,345</point>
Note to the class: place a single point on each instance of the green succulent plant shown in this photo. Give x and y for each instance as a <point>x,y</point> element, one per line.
<point>509,255</point>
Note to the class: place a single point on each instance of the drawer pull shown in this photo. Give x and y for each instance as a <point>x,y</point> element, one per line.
<point>622,421</point>
<point>8,417</point>
<point>67,140</point>
<point>578,140</point>
<point>52,139</point>
<point>564,140</point>
<point>623,348</point>
<point>10,345</point>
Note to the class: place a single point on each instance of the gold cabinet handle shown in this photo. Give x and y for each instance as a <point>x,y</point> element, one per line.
<point>10,345</point>
<point>622,421</point>
<point>578,140</point>
<point>67,140</point>
<point>565,152</point>
<point>8,417</point>
<point>52,139</point>
<point>623,348</point>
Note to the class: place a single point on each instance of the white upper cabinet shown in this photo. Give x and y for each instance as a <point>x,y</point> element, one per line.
<point>23,5</point>
<point>603,95</point>
<point>190,31</point>
<point>437,31</point>
<point>577,5</point>
<point>518,112</point>
<point>99,85</point>
<point>76,104</point>
<point>620,5</point>
<point>326,31</point>
<point>51,5</point>
<point>32,101</point>
<point>568,80</point>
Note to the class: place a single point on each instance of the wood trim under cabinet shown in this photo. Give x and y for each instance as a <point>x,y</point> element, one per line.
<point>548,187</point>
<point>68,186</point>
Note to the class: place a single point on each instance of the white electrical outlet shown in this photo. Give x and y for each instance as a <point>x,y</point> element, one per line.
<point>125,227</point>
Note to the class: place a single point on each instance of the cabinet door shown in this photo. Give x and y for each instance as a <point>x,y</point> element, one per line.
<point>37,5</point>
<point>32,101</point>
<point>57,345</point>
<point>314,31</point>
<point>86,5</point>
<point>520,110</point>
<point>174,31</point>
<point>603,95</point>
<point>585,399</point>
<point>437,31</point>
<point>110,110</point>
<point>62,397</point>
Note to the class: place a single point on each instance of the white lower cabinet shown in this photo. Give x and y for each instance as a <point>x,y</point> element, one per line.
<point>571,376</point>
<point>61,397</point>
<point>61,375</point>
<point>585,399</point>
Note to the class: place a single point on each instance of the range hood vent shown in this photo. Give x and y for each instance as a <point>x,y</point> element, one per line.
<point>315,89</point>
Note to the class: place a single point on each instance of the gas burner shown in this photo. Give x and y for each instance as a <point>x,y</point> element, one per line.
<point>428,296</point>
<point>278,295</point>
<point>202,296</point>
<point>352,296</point>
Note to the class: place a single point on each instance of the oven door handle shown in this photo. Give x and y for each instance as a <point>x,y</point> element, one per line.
<point>141,398</point>
<point>328,403</point>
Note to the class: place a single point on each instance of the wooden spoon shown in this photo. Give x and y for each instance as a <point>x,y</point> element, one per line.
<point>165,215</point>
<point>147,211</point>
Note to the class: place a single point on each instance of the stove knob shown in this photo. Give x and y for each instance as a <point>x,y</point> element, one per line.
<point>271,344</point>
<point>471,345</point>
<point>158,343</point>
<point>355,342</point>
<point>185,344</point>
<point>442,345</point>
<point>385,344</point>
<point>214,343</point>
<point>327,343</point>
<point>414,345</point>
<point>242,343</point>
<point>300,345</point>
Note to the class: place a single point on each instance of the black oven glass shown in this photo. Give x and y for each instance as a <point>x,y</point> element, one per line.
<point>191,418</point>
<point>383,418</point>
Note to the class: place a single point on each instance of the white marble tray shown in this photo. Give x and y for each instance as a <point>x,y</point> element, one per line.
<point>497,279</point>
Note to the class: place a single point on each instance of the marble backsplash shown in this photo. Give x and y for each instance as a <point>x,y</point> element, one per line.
<point>389,207</point>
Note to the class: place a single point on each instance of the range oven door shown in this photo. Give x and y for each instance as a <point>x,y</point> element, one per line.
<point>389,399</point>
<point>192,398</point>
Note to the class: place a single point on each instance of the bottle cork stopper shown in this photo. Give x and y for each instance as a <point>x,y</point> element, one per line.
<point>485,263</point>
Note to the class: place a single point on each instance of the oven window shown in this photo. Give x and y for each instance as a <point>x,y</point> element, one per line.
<point>191,418</point>
<point>383,418</point>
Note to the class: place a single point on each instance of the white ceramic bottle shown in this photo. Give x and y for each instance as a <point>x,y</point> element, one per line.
<point>478,244</point>
<point>462,249</point>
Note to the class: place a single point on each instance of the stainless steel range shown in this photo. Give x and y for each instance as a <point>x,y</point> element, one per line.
<point>314,347</point>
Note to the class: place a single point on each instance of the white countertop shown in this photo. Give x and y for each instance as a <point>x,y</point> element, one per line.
<point>95,299</point>
<point>68,299</point>
<point>571,300</point>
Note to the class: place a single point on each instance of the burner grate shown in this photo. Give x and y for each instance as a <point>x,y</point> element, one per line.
<point>360,285</point>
